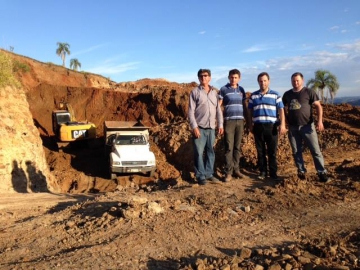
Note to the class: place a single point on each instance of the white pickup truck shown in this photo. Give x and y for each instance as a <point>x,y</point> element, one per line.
<point>127,146</point>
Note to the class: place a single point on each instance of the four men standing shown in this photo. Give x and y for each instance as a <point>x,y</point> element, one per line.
<point>265,118</point>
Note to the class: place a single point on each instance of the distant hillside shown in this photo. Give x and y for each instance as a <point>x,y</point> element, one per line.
<point>355,101</point>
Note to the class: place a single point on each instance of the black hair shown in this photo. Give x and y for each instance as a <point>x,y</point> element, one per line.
<point>203,70</point>
<point>263,74</point>
<point>234,72</point>
<point>297,74</point>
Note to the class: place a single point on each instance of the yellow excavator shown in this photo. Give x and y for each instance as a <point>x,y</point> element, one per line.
<point>67,130</point>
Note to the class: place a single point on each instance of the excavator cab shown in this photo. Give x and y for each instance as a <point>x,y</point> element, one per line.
<point>67,130</point>
<point>60,117</point>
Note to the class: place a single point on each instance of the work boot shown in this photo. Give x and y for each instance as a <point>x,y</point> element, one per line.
<point>228,178</point>
<point>301,175</point>
<point>324,178</point>
<point>202,182</point>
<point>238,174</point>
<point>214,180</point>
<point>262,176</point>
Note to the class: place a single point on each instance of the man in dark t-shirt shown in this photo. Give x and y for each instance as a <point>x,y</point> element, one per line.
<point>298,103</point>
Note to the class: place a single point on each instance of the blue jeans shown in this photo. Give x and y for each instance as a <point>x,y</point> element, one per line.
<point>297,135</point>
<point>204,164</point>
<point>234,130</point>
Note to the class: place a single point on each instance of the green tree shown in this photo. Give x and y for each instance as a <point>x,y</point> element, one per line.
<point>324,79</point>
<point>75,64</point>
<point>62,51</point>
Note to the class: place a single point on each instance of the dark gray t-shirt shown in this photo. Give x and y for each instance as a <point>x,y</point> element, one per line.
<point>298,105</point>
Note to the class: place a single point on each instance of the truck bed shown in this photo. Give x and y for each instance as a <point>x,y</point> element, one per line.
<point>123,125</point>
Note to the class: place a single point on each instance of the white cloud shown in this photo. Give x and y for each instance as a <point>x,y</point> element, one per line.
<point>254,49</point>
<point>114,68</point>
<point>202,32</point>
<point>343,60</point>
<point>350,47</point>
<point>357,22</point>
<point>263,47</point>
<point>334,28</point>
<point>87,50</point>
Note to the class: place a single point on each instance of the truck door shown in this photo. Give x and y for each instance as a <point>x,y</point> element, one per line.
<point>109,144</point>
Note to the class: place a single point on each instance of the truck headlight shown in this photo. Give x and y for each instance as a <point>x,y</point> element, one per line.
<point>151,162</point>
<point>116,163</point>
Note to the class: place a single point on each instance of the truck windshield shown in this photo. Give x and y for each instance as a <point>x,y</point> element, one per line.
<point>130,140</point>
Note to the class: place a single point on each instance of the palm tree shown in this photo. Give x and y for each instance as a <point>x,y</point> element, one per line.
<point>75,64</point>
<point>324,79</point>
<point>62,50</point>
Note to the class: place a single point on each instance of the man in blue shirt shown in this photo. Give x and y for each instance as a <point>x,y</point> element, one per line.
<point>204,114</point>
<point>265,107</point>
<point>233,97</point>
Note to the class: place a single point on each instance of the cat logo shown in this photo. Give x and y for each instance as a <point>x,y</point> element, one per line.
<point>76,134</point>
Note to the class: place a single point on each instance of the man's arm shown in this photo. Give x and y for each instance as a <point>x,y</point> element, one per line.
<point>191,116</point>
<point>282,128</point>
<point>250,116</point>
<point>246,113</point>
<point>319,111</point>
<point>219,117</point>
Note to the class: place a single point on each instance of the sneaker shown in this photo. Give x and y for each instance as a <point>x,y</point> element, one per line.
<point>302,175</point>
<point>202,182</point>
<point>228,178</point>
<point>214,180</point>
<point>324,177</point>
<point>237,174</point>
<point>274,177</point>
<point>262,176</point>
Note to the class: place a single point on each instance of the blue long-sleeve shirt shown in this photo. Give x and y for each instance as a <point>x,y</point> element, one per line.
<point>204,110</point>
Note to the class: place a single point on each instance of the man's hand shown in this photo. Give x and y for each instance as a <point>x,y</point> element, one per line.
<point>196,132</point>
<point>251,129</point>
<point>320,126</point>
<point>282,129</point>
<point>221,131</point>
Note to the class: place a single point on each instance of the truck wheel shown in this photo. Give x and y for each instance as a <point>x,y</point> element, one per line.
<point>113,176</point>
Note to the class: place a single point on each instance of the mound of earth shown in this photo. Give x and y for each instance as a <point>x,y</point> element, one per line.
<point>168,221</point>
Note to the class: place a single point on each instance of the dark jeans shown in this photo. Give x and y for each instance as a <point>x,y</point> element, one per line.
<point>233,135</point>
<point>204,164</point>
<point>266,140</point>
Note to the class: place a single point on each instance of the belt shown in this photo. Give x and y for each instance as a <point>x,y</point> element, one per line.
<point>204,128</point>
<point>264,124</point>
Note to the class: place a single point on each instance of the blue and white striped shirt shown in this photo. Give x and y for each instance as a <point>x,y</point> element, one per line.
<point>265,106</point>
<point>232,101</point>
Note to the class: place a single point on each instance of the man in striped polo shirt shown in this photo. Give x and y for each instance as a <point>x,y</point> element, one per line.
<point>232,96</point>
<point>266,109</point>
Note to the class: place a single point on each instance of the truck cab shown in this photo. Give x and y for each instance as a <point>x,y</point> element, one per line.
<point>128,148</point>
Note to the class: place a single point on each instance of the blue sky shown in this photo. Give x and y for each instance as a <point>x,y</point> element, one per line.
<point>127,40</point>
